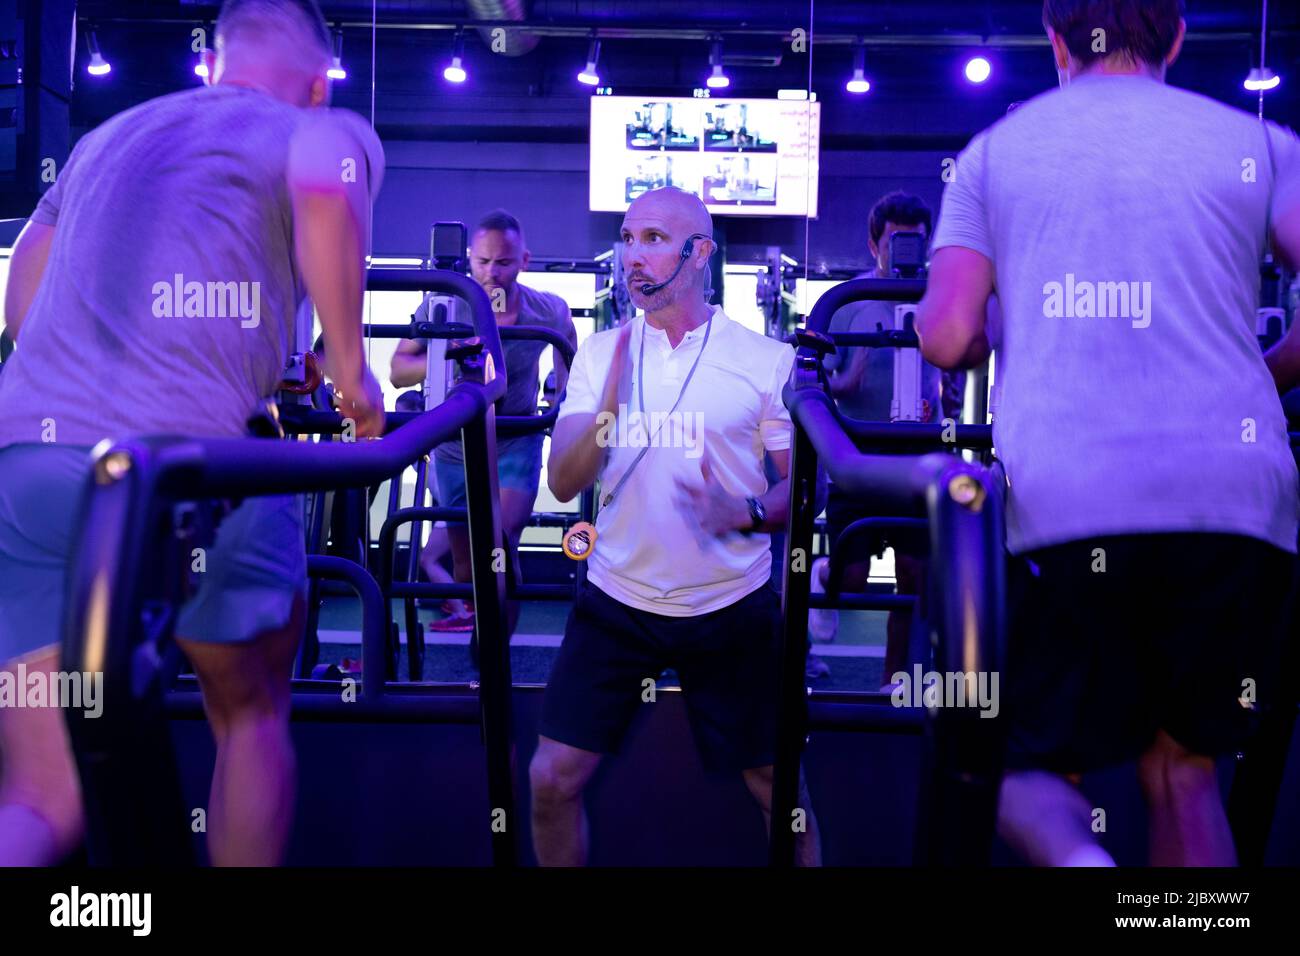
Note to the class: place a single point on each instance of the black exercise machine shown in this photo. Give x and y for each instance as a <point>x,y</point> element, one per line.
<point>128,536</point>
<point>965,603</point>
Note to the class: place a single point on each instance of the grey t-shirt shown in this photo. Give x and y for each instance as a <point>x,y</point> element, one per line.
<point>535,308</point>
<point>1125,220</point>
<point>873,399</point>
<point>168,300</point>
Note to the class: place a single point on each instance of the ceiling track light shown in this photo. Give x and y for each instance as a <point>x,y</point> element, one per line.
<point>717,79</point>
<point>201,67</point>
<point>978,69</point>
<point>858,83</point>
<point>1261,79</point>
<point>336,70</point>
<point>455,71</point>
<point>98,66</point>
<point>589,74</point>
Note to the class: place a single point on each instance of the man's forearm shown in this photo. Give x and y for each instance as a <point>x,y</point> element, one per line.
<point>977,353</point>
<point>576,461</point>
<point>408,369</point>
<point>329,253</point>
<point>776,502</point>
<point>26,269</point>
<point>1283,361</point>
<point>943,353</point>
<point>575,467</point>
<point>561,379</point>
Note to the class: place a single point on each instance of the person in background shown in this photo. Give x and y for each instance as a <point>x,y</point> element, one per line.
<point>862,384</point>
<point>498,253</point>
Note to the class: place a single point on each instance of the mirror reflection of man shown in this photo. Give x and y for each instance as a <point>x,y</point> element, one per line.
<point>498,253</point>
<point>862,384</point>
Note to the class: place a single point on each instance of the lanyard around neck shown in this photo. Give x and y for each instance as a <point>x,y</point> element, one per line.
<point>640,388</point>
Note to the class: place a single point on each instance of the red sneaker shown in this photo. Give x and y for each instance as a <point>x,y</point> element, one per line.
<point>461,624</point>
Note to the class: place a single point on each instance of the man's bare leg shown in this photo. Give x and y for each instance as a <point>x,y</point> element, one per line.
<point>807,842</point>
<point>439,544</point>
<point>558,776</point>
<point>516,510</point>
<point>246,697</point>
<point>41,819</point>
<point>1044,818</point>
<point>1186,819</point>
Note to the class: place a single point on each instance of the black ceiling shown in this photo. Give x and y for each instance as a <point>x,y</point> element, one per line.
<point>914,55</point>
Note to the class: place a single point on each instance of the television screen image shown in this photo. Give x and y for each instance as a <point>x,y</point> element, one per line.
<point>747,127</point>
<point>742,156</point>
<point>650,172</point>
<point>740,180</point>
<point>664,126</point>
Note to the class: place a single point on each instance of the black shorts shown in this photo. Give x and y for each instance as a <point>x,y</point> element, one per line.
<point>728,662</point>
<point>1164,639</point>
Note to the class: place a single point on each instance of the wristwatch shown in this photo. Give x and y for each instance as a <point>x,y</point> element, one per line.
<point>757,514</point>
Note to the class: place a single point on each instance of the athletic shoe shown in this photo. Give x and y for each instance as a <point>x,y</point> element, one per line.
<point>462,624</point>
<point>816,668</point>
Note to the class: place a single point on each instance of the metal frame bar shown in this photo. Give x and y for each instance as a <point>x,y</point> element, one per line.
<point>964,509</point>
<point>135,813</point>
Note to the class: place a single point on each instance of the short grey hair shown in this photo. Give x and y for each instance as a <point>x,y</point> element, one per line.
<point>237,15</point>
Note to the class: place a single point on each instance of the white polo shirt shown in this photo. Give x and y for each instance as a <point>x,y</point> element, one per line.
<point>650,553</point>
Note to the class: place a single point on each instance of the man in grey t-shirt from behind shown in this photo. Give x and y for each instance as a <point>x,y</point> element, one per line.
<point>1151,495</point>
<point>154,291</point>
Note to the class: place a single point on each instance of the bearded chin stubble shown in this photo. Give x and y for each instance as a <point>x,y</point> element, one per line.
<point>653,302</point>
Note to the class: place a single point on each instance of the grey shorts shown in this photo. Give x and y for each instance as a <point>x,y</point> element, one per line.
<point>251,573</point>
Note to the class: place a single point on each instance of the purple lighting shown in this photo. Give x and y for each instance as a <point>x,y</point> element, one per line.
<point>97,66</point>
<point>455,73</point>
<point>717,79</point>
<point>978,69</point>
<point>858,83</point>
<point>589,76</point>
<point>1262,80</point>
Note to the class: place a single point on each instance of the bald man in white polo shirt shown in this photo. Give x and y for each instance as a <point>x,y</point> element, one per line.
<point>672,413</point>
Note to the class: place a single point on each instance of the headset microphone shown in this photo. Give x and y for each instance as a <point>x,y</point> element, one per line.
<point>687,248</point>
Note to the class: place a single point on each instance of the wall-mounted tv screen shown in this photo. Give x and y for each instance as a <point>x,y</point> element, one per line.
<point>743,157</point>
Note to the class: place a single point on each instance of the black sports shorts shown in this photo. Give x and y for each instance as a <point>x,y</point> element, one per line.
<point>1172,635</point>
<point>728,662</point>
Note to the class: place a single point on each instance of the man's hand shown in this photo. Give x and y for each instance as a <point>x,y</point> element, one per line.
<point>716,510</point>
<point>363,402</point>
